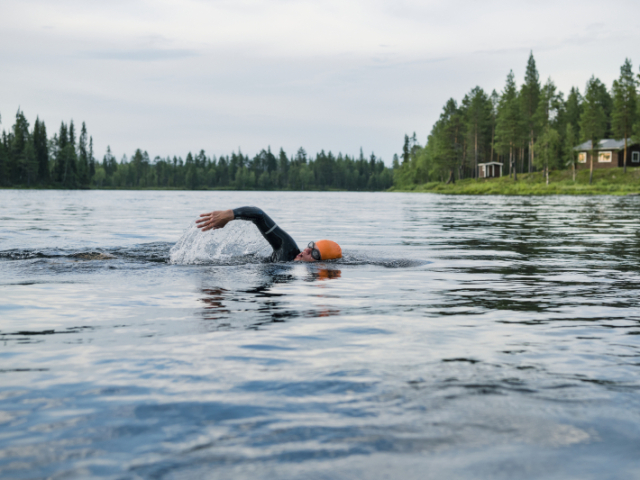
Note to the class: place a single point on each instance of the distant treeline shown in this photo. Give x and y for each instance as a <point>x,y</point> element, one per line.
<point>29,158</point>
<point>526,129</point>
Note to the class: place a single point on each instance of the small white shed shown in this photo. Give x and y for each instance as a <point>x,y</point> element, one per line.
<point>489,170</point>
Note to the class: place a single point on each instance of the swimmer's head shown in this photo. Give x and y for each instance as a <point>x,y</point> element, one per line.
<point>320,250</point>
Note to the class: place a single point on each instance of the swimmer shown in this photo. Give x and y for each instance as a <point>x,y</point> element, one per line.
<point>284,247</point>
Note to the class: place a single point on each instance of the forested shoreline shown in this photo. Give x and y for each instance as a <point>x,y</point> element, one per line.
<point>28,158</point>
<point>527,129</point>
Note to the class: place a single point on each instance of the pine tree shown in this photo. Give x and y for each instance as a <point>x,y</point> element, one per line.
<point>271,161</point>
<point>509,121</point>
<point>283,169</point>
<point>573,108</point>
<point>547,147</point>
<point>41,145</point>
<point>140,163</point>
<point>67,158</point>
<point>20,139</point>
<point>570,140</point>
<point>593,121</point>
<point>301,155</point>
<point>548,143</point>
<point>605,99</point>
<point>478,121</point>
<point>529,96</point>
<point>495,100</point>
<point>92,160</point>
<point>83,157</point>
<point>625,105</point>
<point>446,140</point>
<point>4,160</point>
<point>72,134</point>
<point>59,166</point>
<point>29,162</point>
<point>405,150</point>
<point>549,104</point>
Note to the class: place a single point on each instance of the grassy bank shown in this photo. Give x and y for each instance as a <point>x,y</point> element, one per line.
<point>605,182</point>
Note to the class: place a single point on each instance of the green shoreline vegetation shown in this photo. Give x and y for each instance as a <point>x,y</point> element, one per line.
<point>605,182</point>
<point>531,130</point>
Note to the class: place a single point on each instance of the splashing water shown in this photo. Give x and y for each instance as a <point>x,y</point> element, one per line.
<point>238,241</point>
<point>241,242</point>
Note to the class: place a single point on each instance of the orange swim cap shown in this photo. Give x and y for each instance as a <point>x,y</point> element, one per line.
<point>328,249</point>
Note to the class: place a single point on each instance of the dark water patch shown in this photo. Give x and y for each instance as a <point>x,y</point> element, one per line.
<point>260,360</point>
<point>42,332</point>
<point>55,254</point>
<point>157,252</point>
<point>92,256</point>
<point>468,360</point>
<point>28,283</point>
<point>14,370</point>
<point>150,252</point>
<point>267,347</point>
<point>204,412</point>
<point>30,333</point>
<point>264,291</point>
<point>308,388</point>
<point>365,331</point>
<point>21,254</point>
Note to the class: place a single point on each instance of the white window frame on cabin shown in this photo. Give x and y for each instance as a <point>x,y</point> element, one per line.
<point>582,157</point>
<point>605,157</point>
<point>635,157</point>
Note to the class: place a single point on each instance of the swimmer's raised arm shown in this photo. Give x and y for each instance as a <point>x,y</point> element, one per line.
<point>284,247</point>
<point>215,219</point>
<point>267,227</point>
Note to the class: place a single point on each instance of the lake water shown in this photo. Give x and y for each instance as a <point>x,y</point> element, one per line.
<point>460,337</point>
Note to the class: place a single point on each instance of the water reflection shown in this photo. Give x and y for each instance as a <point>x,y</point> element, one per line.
<point>229,304</point>
<point>323,274</point>
<point>225,307</point>
<point>214,307</point>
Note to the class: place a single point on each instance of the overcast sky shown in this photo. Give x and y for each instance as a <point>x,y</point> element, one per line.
<point>171,76</point>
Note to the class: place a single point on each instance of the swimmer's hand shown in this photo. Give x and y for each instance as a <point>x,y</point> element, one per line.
<point>214,220</point>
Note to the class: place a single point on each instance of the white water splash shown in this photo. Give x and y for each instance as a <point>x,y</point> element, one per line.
<point>225,245</point>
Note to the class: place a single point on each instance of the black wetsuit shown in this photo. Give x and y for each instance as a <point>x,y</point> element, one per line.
<point>285,248</point>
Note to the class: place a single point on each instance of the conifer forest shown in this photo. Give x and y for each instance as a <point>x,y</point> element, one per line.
<point>533,127</point>
<point>66,160</point>
<point>527,128</point>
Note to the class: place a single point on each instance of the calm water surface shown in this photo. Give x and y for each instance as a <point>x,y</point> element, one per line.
<point>460,337</point>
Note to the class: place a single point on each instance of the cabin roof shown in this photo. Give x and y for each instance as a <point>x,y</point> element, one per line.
<point>605,144</point>
<point>490,163</point>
